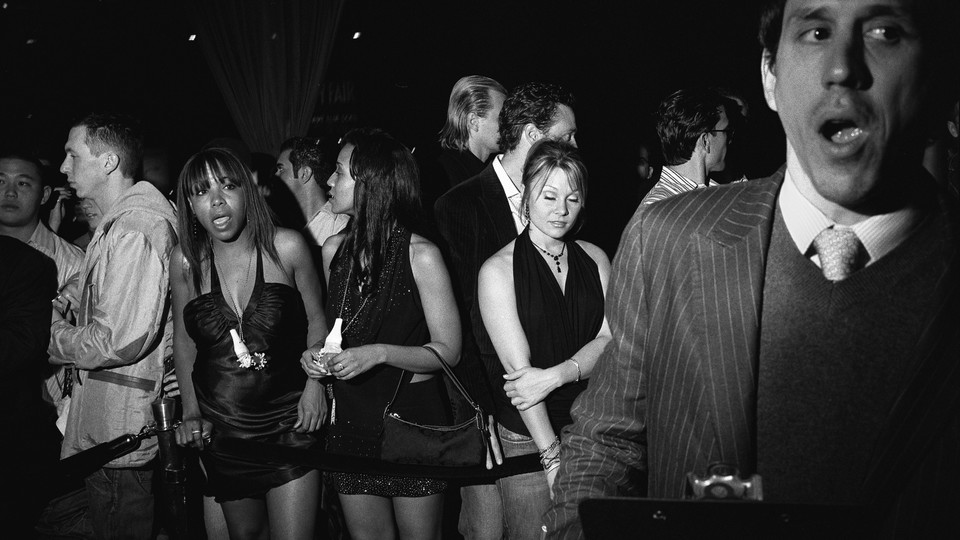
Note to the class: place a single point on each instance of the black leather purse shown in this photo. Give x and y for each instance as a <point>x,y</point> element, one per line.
<point>461,445</point>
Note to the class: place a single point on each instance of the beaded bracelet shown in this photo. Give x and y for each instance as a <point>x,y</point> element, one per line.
<point>555,445</point>
<point>579,373</point>
<point>550,456</point>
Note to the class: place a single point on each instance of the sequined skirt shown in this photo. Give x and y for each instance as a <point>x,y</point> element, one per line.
<point>385,486</point>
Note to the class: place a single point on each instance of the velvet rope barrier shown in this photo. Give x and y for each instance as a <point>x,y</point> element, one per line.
<point>314,457</point>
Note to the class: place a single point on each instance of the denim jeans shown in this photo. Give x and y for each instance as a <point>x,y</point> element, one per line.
<point>481,513</point>
<point>66,516</point>
<point>121,503</point>
<point>526,497</point>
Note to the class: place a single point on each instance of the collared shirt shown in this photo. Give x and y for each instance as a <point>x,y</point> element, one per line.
<point>672,183</point>
<point>325,224</point>
<point>879,234</point>
<point>514,195</point>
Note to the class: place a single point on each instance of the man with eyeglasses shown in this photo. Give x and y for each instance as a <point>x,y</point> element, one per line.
<point>694,132</point>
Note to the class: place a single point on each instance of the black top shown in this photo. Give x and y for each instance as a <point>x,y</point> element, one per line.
<point>393,315</point>
<point>244,402</point>
<point>556,323</point>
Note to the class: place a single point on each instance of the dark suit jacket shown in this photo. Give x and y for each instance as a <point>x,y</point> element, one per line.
<point>676,388</point>
<point>475,221</point>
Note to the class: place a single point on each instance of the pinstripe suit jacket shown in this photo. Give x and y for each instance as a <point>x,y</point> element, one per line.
<point>475,221</point>
<point>676,388</point>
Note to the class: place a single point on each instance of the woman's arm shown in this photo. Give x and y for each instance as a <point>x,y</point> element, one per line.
<point>498,307</point>
<point>193,429</point>
<point>297,262</point>
<point>529,386</point>
<point>588,354</point>
<point>440,310</point>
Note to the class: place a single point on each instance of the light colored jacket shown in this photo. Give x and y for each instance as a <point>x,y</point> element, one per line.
<point>123,326</point>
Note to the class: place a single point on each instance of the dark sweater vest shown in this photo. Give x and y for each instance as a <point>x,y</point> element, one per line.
<point>833,357</point>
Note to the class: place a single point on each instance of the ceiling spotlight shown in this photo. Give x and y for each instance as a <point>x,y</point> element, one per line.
<point>193,37</point>
<point>31,41</point>
<point>5,5</point>
<point>356,35</point>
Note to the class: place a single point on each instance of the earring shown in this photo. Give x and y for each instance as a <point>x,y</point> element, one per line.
<point>526,212</point>
<point>196,232</point>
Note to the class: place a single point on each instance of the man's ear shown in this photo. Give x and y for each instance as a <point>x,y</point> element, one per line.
<point>47,190</point>
<point>531,132</point>
<point>110,162</point>
<point>705,142</point>
<point>769,77</point>
<point>305,174</point>
<point>473,121</point>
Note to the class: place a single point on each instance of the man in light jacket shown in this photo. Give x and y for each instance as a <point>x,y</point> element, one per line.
<point>123,319</point>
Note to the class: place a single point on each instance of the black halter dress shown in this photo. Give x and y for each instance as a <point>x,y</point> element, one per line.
<point>246,403</point>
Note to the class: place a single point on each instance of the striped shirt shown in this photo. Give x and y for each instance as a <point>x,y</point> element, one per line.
<point>671,183</point>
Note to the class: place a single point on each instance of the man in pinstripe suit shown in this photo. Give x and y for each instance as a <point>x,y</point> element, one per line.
<point>737,335</point>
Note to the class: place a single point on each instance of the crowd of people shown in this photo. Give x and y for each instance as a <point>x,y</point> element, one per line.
<point>797,328</point>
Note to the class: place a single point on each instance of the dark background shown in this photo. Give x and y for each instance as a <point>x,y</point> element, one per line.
<point>62,58</point>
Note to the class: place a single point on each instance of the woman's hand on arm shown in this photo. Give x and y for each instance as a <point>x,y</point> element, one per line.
<point>528,386</point>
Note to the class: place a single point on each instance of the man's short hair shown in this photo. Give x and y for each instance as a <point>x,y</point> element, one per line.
<point>530,103</point>
<point>308,152</point>
<point>119,133</point>
<point>682,118</point>
<point>936,20</point>
<point>471,94</point>
<point>29,157</point>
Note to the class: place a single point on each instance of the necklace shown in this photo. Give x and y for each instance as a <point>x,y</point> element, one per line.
<point>343,302</point>
<point>245,358</point>
<point>235,302</point>
<point>556,258</point>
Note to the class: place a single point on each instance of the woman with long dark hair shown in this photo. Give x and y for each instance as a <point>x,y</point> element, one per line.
<point>246,301</point>
<point>391,291</point>
<point>541,296</point>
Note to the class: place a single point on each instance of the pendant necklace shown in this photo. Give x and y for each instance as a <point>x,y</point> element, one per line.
<point>556,258</point>
<point>245,358</point>
<point>343,309</point>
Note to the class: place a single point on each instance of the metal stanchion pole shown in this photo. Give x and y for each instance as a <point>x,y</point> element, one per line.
<point>173,472</point>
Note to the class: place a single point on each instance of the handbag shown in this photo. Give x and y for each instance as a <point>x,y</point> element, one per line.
<point>461,445</point>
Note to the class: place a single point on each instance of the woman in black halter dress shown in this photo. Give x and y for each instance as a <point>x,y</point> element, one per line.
<point>391,291</point>
<point>541,296</point>
<point>246,302</point>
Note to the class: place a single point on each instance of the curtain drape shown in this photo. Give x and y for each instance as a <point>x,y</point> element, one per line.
<point>268,58</point>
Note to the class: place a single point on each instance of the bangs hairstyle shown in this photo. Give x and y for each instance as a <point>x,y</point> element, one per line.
<point>471,94</point>
<point>547,156</point>
<point>386,194</point>
<point>118,133</point>
<point>223,165</point>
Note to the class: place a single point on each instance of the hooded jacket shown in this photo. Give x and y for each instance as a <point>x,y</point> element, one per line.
<point>124,325</point>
